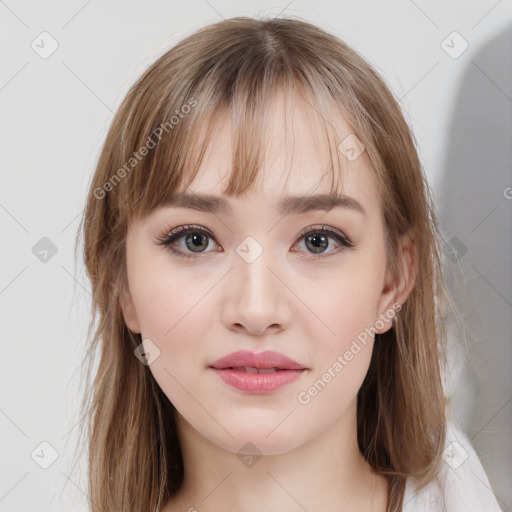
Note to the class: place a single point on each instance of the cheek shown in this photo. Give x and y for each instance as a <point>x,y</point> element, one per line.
<point>342,313</point>
<point>173,309</point>
<point>166,299</point>
<point>341,306</point>
<point>342,354</point>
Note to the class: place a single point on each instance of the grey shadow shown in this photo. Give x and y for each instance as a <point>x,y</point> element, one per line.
<point>476,219</point>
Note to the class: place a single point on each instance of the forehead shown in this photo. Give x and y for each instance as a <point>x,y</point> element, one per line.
<point>301,148</point>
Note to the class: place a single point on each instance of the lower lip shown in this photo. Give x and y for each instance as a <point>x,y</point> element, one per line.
<point>257,382</point>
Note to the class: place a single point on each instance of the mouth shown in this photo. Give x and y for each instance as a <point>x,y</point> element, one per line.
<point>257,373</point>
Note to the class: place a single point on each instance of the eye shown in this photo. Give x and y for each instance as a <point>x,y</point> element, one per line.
<point>195,239</point>
<point>316,239</point>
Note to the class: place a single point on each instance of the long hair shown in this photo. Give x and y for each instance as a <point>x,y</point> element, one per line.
<point>155,143</point>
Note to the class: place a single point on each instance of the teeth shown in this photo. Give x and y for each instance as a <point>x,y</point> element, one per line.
<point>250,369</point>
<point>267,370</point>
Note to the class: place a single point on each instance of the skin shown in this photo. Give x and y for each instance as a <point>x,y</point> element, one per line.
<point>307,306</point>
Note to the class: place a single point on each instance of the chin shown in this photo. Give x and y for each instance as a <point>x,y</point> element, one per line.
<point>256,443</point>
<point>271,436</point>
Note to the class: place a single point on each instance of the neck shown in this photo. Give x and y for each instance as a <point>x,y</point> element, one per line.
<point>327,473</point>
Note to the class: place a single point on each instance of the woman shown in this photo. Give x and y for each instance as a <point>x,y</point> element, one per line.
<point>263,252</point>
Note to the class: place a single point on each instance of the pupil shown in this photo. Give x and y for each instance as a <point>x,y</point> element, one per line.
<point>318,241</point>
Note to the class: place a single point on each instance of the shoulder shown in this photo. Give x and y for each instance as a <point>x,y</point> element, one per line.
<point>460,486</point>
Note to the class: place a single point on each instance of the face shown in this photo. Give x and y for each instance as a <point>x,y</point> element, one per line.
<point>308,285</point>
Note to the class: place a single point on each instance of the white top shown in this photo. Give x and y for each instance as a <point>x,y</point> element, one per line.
<point>460,486</point>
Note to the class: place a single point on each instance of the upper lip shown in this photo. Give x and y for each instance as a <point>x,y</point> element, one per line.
<point>267,359</point>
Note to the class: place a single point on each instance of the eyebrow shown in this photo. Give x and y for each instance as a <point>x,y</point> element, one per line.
<point>287,205</point>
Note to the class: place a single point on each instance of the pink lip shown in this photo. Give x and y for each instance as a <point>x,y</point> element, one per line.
<point>287,370</point>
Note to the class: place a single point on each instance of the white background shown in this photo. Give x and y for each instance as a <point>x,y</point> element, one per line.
<point>54,116</point>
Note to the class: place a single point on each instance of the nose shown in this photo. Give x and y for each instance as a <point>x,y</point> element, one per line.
<point>256,298</point>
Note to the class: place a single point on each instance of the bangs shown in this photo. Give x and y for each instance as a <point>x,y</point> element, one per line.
<point>238,86</point>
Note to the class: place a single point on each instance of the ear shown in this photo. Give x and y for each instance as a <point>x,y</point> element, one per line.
<point>396,291</point>
<point>129,313</point>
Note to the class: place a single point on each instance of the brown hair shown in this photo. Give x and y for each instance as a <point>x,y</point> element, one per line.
<point>234,67</point>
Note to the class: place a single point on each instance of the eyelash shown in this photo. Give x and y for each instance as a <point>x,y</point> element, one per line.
<point>170,237</point>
